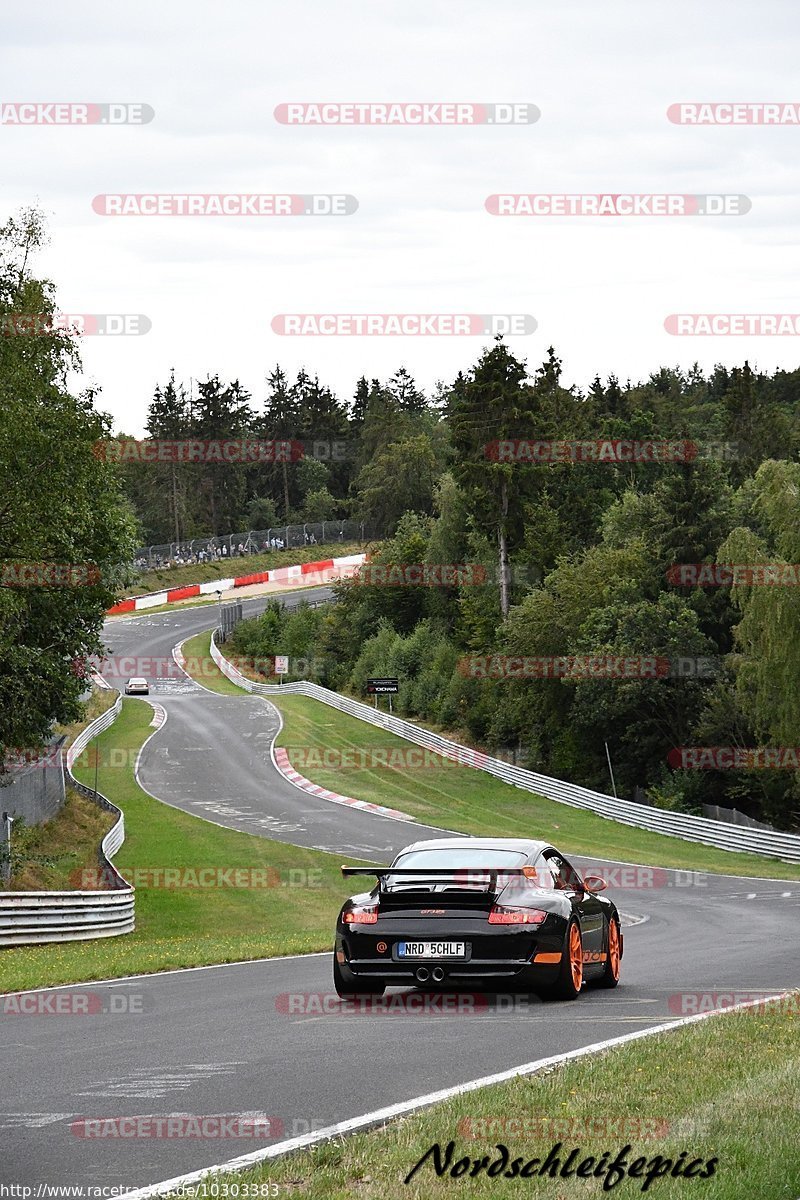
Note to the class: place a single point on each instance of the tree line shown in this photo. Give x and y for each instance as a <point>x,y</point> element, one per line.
<point>339,458</point>
<point>579,561</point>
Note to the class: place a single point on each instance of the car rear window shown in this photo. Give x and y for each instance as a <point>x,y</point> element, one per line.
<point>457,858</point>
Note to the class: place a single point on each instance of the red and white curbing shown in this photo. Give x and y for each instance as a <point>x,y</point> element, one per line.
<point>159,716</point>
<point>281,759</point>
<point>328,570</point>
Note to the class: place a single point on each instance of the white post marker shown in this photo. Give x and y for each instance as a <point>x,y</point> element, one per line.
<point>281,665</point>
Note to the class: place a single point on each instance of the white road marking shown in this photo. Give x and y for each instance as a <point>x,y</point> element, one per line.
<point>154,975</point>
<point>144,1085</point>
<point>31,1120</point>
<point>627,919</point>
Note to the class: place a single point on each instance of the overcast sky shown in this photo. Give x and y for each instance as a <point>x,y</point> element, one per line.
<point>603,76</point>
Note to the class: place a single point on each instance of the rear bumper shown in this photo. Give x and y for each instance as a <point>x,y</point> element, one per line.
<point>516,960</point>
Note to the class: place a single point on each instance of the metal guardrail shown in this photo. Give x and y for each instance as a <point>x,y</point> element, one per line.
<point>783,846</point>
<point>30,918</point>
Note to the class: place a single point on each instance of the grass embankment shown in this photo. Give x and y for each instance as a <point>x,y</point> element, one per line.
<point>51,857</point>
<point>201,666</point>
<point>282,902</point>
<point>99,702</point>
<point>724,1089</point>
<point>321,740</point>
<point>225,568</point>
<point>439,792</point>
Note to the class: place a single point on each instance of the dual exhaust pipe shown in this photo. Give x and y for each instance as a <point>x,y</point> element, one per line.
<point>423,975</point>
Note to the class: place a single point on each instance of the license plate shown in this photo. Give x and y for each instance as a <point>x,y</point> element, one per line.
<point>430,950</point>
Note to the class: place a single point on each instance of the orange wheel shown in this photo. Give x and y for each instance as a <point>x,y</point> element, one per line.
<point>613,949</point>
<point>576,957</point>
<point>610,976</point>
<point>567,985</point>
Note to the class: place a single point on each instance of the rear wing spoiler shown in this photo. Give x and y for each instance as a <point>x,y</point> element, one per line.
<point>445,872</point>
<point>527,871</point>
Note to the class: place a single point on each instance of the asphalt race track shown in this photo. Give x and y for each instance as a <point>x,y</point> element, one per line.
<point>231,1040</point>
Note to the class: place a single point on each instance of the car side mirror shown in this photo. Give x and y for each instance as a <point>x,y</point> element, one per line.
<point>594,883</point>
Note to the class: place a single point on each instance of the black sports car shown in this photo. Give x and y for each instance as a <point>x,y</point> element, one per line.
<point>465,911</point>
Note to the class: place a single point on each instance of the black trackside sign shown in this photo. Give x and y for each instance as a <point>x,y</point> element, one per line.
<point>382,687</point>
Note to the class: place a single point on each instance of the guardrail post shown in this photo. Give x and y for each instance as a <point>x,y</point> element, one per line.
<point>5,860</point>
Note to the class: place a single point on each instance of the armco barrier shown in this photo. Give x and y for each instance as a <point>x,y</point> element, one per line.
<point>783,846</point>
<point>28,918</point>
<point>331,570</point>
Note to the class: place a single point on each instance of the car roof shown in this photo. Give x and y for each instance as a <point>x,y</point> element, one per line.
<point>137,679</point>
<point>529,846</point>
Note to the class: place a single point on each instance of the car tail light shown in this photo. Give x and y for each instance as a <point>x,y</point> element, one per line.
<point>516,916</point>
<point>361,916</point>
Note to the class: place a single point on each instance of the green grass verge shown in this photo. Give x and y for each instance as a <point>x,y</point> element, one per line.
<point>442,793</point>
<point>100,700</point>
<point>287,905</point>
<point>725,1088</point>
<point>224,568</point>
<point>461,798</point>
<point>201,666</point>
